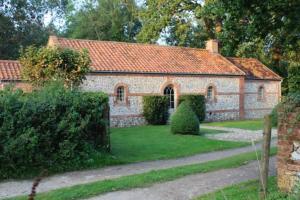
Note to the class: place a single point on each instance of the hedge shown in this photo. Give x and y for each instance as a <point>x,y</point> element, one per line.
<point>294,78</point>
<point>197,103</point>
<point>155,109</point>
<point>184,120</point>
<point>50,128</point>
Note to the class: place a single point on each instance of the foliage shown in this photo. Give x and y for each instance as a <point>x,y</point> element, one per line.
<point>290,104</point>
<point>184,120</point>
<point>294,77</point>
<point>197,103</point>
<point>274,116</point>
<point>22,23</point>
<point>41,65</point>
<point>155,109</point>
<point>50,128</point>
<point>105,20</point>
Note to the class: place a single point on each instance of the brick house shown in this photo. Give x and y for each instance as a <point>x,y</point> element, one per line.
<point>236,88</point>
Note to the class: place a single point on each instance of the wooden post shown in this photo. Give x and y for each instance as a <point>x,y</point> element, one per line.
<point>265,157</point>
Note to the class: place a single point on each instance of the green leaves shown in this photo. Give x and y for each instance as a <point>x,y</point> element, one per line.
<point>53,128</point>
<point>107,20</point>
<point>41,65</point>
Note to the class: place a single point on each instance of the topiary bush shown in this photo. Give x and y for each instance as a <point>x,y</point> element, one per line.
<point>184,120</point>
<point>155,109</point>
<point>197,103</point>
<point>51,128</point>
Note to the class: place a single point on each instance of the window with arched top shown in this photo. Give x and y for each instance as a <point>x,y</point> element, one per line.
<point>210,94</point>
<point>121,94</point>
<point>261,93</point>
<point>169,91</point>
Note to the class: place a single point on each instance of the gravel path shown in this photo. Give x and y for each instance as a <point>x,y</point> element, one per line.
<point>191,186</point>
<point>235,134</point>
<point>15,188</point>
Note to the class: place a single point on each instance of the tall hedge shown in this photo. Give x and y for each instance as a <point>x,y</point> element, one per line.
<point>50,128</point>
<point>184,120</point>
<point>155,109</point>
<point>197,103</point>
<point>294,78</point>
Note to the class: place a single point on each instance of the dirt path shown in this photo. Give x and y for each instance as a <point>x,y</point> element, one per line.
<point>191,186</point>
<point>15,188</point>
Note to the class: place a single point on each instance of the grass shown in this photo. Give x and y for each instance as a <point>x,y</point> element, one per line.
<point>245,124</point>
<point>144,179</point>
<point>136,144</point>
<point>247,190</point>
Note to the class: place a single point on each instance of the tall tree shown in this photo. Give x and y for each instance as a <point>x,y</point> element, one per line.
<point>105,20</point>
<point>22,24</point>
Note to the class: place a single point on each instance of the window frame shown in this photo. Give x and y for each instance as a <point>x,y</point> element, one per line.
<point>261,93</point>
<point>125,101</point>
<point>213,98</point>
<point>170,92</point>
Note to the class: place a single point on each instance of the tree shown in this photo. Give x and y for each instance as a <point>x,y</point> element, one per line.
<point>105,20</point>
<point>41,65</point>
<point>22,24</point>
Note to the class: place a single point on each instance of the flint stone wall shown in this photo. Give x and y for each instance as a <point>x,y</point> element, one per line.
<point>288,169</point>
<point>226,106</point>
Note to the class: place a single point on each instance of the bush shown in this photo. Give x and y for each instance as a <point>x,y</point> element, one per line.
<point>51,128</point>
<point>184,120</point>
<point>41,65</point>
<point>156,109</point>
<point>197,103</point>
<point>294,78</point>
<point>274,116</point>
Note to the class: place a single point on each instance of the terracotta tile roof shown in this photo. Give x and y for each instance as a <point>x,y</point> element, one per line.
<point>10,70</point>
<point>110,56</point>
<point>254,69</point>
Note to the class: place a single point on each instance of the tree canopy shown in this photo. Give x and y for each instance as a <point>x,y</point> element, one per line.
<point>22,24</point>
<point>104,20</point>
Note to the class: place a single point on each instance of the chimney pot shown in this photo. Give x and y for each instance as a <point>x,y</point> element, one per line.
<point>212,46</point>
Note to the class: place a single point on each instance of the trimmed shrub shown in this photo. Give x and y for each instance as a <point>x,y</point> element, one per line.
<point>197,103</point>
<point>52,128</point>
<point>184,120</point>
<point>156,109</point>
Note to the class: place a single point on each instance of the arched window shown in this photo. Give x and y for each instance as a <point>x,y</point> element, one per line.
<point>121,94</point>
<point>210,95</point>
<point>169,91</point>
<point>261,93</point>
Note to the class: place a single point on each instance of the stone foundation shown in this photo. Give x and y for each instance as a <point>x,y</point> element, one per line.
<point>127,121</point>
<point>288,169</point>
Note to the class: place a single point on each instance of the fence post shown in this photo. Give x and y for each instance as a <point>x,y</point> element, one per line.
<point>265,157</point>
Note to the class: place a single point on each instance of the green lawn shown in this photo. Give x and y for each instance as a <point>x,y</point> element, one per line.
<point>143,180</point>
<point>143,143</point>
<point>247,190</point>
<point>245,124</point>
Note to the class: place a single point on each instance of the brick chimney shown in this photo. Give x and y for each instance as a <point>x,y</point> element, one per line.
<point>212,46</point>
